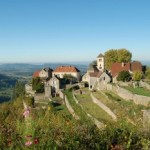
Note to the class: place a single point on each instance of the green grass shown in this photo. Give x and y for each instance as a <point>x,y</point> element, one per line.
<point>122,108</point>
<point>138,91</point>
<point>57,99</point>
<point>93,109</point>
<point>78,110</point>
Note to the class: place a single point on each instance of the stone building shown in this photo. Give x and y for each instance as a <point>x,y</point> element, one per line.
<point>53,86</point>
<point>100,62</point>
<point>67,70</point>
<point>96,75</point>
<point>45,73</point>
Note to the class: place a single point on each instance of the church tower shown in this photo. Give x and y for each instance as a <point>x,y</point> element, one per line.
<point>100,62</point>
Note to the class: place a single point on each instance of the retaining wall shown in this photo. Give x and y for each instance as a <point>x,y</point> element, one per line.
<point>127,95</point>
<point>105,108</point>
<point>71,109</point>
<point>96,122</point>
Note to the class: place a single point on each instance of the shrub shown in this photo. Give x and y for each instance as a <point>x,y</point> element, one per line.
<point>137,75</point>
<point>124,76</point>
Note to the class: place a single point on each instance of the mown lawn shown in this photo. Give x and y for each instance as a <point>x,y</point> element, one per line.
<point>138,91</point>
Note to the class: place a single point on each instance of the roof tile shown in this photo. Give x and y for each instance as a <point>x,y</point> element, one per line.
<point>66,69</point>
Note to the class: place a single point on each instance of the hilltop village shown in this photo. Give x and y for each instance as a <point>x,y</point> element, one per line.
<point>96,77</point>
<point>104,88</point>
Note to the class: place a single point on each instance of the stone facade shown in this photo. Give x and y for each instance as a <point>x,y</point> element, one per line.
<point>45,73</point>
<point>52,87</point>
<point>96,82</point>
<point>100,62</point>
<point>67,70</point>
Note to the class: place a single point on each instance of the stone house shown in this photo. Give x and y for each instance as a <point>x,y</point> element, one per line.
<point>67,70</point>
<point>45,73</point>
<point>96,76</point>
<point>97,79</point>
<point>116,68</point>
<point>91,68</point>
<point>53,86</point>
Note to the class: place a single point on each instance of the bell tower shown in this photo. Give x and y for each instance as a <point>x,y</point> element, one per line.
<point>100,62</point>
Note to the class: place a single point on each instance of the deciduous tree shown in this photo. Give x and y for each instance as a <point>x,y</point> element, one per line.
<point>116,55</point>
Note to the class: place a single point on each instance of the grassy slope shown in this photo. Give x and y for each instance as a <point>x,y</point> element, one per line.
<point>138,91</point>
<point>93,109</point>
<point>123,109</point>
<point>77,108</point>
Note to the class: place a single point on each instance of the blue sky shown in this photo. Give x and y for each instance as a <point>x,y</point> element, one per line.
<point>72,30</point>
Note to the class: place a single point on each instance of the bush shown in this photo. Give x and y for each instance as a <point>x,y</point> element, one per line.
<point>124,76</point>
<point>137,75</point>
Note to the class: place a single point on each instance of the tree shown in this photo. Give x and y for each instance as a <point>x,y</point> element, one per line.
<point>37,85</point>
<point>116,55</point>
<point>124,76</point>
<point>137,75</point>
<point>124,55</point>
<point>110,57</point>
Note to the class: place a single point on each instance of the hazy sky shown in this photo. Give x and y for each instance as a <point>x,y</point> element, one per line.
<point>72,30</point>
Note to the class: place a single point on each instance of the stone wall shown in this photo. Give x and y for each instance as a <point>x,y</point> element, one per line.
<point>71,109</point>
<point>127,95</point>
<point>61,94</point>
<point>105,108</point>
<point>96,122</point>
<point>144,84</point>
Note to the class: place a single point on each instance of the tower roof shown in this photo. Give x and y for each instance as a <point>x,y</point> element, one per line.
<point>100,55</point>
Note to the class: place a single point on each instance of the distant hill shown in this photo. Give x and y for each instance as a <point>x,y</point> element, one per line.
<point>6,87</point>
<point>21,69</point>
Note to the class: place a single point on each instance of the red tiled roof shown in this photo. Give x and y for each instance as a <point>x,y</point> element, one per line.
<point>118,67</point>
<point>36,74</point>
<point>136,66</point>
<point>66,69</point>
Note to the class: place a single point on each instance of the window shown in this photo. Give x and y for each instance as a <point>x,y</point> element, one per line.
<point>100,60</point>
<point>104,78</point>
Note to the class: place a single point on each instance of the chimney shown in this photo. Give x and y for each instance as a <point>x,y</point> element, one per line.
<point>123,64</point>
